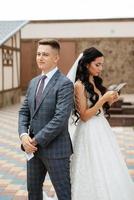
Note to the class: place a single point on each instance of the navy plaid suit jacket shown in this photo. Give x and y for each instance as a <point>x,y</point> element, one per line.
<point>49,122</point>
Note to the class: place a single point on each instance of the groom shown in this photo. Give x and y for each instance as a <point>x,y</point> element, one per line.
<point>43,125</point>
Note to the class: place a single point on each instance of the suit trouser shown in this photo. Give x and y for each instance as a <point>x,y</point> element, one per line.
<point>59,172</point>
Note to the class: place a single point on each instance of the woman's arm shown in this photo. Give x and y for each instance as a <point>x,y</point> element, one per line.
<point>81,102</point>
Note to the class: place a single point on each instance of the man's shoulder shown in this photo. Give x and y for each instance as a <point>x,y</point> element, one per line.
<point>64,78</point>
<point>35,78</point>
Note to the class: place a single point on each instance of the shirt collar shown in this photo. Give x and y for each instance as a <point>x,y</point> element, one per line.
<point>51,73</point>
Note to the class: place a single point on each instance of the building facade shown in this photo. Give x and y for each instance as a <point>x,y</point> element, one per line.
<point>10,47</point>
<point>115,38</point>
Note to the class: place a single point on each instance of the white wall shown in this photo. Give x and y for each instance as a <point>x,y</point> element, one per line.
<point>16,40</point>
<point>8,43</point>
<point>78,30</point>
<point>16,69</point>
<point>7,78</point>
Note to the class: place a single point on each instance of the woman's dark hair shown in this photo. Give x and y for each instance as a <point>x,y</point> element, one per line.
<point>83,74</point>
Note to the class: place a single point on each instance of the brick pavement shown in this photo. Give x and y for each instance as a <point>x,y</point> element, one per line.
<point>12,159</point>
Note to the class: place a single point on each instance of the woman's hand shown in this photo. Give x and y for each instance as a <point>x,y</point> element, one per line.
<point>111,96</point>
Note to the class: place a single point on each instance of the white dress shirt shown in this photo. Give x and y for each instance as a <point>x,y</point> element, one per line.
<point>48,77</point>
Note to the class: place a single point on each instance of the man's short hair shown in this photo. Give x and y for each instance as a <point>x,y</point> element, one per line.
<point>52,42</point>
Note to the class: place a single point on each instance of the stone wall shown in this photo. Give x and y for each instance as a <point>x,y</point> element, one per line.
<point>10,97</point>
<point>119,59</point>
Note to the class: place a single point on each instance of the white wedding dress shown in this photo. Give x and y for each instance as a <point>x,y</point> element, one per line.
<point>98,169</point>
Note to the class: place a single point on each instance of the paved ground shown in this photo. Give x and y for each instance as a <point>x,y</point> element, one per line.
<point>12,159</point>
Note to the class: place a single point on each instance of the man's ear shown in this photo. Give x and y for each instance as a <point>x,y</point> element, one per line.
<point>57,57</point>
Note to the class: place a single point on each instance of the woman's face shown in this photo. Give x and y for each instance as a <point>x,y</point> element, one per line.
<point>96,66</point>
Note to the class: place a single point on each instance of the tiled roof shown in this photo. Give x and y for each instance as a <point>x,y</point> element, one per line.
<point>9,28</point>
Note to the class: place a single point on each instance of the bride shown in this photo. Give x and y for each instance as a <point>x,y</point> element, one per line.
<point>98,170</point>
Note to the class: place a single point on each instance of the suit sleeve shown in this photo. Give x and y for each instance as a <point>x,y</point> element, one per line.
<point>24,115</point>
<point>62,112</point>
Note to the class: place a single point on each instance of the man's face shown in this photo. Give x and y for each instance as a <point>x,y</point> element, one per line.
<point>46,58</point>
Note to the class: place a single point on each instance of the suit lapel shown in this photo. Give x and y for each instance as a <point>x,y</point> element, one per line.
<point>34,88</point>
<point>50,84</point>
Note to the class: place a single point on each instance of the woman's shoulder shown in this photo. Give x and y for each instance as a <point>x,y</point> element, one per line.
<point>78,86</point>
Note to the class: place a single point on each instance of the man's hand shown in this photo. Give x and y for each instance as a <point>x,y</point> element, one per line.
<point>34,142</point>
<point>27,144</point>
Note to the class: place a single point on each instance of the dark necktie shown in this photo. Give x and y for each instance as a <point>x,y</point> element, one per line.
<point>40,90</point>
